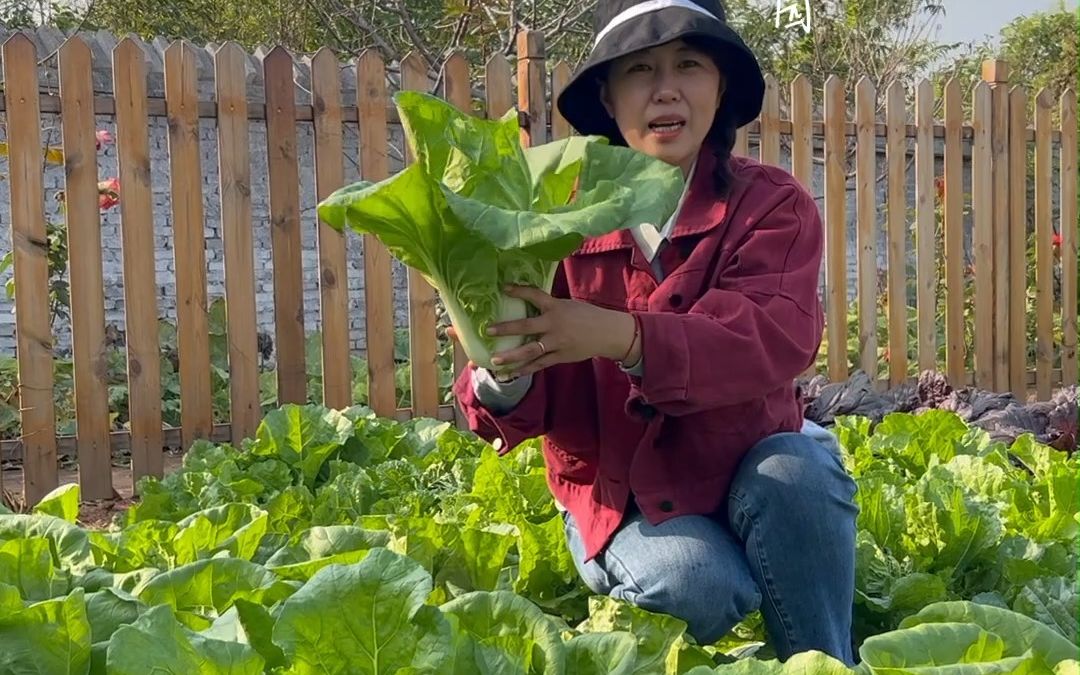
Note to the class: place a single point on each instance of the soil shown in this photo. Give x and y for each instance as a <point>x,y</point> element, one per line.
<point>92,514</point>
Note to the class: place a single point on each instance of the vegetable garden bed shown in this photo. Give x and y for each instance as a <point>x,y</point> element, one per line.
<point>340,542</point>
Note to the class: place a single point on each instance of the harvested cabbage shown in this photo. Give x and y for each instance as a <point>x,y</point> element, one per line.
<point>476,211</point>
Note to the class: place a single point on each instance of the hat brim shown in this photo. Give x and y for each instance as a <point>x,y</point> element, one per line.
<point>579,103</point>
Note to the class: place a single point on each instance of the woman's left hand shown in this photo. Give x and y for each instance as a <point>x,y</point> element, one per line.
<point>566,331</point>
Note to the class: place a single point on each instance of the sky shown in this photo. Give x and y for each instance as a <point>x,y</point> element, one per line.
<point>967,20</point>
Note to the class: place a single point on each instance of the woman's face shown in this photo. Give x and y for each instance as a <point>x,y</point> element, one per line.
<point>664,100</point>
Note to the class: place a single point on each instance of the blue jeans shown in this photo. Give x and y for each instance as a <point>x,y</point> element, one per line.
<point>787,548</point>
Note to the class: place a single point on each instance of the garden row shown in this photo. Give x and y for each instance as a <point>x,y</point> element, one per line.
<point>341,542</point>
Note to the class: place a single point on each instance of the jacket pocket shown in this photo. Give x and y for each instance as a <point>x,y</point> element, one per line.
<point>598,278</point>
<point>578,467</point>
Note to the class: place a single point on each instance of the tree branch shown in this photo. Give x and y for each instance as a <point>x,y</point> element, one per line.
<point>418,42</point>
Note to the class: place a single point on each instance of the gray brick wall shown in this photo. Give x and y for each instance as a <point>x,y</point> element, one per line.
<point>48,40</point>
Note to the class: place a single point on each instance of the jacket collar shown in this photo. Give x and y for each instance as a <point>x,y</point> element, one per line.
<point>701,211</point>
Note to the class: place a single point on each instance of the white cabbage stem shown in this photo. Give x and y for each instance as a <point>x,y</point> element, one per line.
<point>468,333</point>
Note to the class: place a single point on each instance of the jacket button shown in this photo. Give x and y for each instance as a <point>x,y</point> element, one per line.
<point>675,300</point>
<point>666,506</point>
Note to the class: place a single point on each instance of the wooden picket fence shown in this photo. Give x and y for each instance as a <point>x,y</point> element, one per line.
<point>999,133</point>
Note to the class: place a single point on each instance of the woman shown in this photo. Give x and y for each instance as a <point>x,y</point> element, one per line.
<point>662,375</point>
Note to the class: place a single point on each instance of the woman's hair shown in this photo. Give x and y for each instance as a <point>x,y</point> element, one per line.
<point>721,137</point>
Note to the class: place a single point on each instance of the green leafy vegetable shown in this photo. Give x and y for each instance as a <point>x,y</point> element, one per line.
<point>476,212</point>
<point>1018,632</point>
<point>365,618</point>
<point>341,542</point>
<point>611,653</point>
<point>51,636</point>
<point>301,439</point>
<point>507,631</point>
<point>63,502</point>
<point>158,643</point>
<point>322,546</point>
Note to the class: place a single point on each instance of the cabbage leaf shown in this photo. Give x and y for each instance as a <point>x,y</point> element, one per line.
<point>475,211</point>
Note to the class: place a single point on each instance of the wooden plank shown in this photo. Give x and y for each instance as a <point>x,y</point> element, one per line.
<point>560,77</point>
<point>1044,252</point>
<point>457,90</point>
<point>836,230</point>
<point>285,226</point>
<point>378,273</point>
<point>498,86</point>
<point>423,331</point>
<point>896,156</point>
<point>955,299</point>
<point>181,92</point>
<point>1018,337</point>
<point>85,267</point>
<point>237,228</point>
<point>769,150</point>
<point>802,149</point>
<point>105,105</point>
<point>926,247</point>
<point>333,273</point>
<point>982,206</point>
<point>742,142</point>
<point>867,229</point>
<point>532,99</point>
<point>137,238</point>
<point>29,245</point>
<point>1069,229</point>
<point>995,73</point>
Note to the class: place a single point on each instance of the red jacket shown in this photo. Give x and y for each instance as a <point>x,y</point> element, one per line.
<point>736,319</point>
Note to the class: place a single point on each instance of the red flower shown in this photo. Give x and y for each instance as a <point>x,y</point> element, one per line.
<point>102,137</point>
<point>939,186</point>
<point>108,193</point>
<point>1056,241</point>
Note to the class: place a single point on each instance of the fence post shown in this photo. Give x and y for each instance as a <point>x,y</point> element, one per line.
<point>286,240</point>
<point>189,251</point>
<point>81,206</point>
<point>137,248</point>
<point>1018,171</point>
<point>996,74</point>
<point>532,102</point>
<point>1068,228</point>
<point>29,246</point>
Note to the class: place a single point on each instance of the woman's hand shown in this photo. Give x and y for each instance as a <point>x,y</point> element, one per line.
<point>566,331</point>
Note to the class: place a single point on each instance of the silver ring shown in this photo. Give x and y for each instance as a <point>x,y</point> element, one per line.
<point>542,349</point>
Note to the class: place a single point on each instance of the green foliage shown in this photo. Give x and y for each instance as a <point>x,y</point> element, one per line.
<point>341,542</point>
<point>947,514</point>
<point>1041,51</point>
<point>18,14</point>
<point>882,40</point>
<point>879,39</point>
